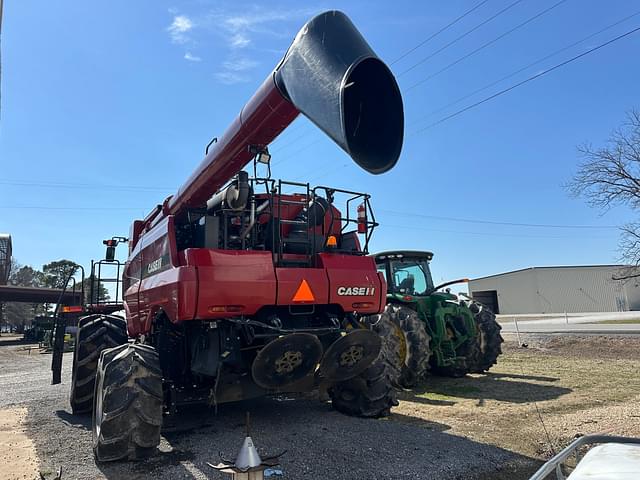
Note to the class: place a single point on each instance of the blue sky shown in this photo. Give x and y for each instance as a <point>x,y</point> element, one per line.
<point>107,108</point>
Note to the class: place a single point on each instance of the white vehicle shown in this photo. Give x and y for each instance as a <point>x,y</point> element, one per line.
<point>616,458</point>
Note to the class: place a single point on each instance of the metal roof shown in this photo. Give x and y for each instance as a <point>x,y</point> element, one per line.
<point>549,267</point>
<point>11,293</point>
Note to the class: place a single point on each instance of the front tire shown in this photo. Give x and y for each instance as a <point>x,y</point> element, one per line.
<point>369,395</point>
<point>95,334</point>
<point>127,409</point>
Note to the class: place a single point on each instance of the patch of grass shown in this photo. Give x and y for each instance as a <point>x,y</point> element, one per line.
<point>436,396</point>
<point>450,392</point>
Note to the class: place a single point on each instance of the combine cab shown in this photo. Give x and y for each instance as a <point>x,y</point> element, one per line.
<point>437,330</point>
<point>240,285</point>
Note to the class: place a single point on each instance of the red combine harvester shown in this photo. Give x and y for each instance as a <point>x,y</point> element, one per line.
<point>241,286</point>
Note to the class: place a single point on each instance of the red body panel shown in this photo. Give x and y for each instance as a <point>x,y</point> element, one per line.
<point>156,281</point>
<point>232,278</point>
<point>207,284</point>
<point>356,273</point>
<point>290,281</point>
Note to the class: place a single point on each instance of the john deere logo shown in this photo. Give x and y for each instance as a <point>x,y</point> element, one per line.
<point>356,291</point>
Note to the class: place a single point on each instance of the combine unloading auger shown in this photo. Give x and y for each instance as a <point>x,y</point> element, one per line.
<point>332,76</point>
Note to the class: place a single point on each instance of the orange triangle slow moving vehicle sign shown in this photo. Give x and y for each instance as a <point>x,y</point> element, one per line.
<point>304,293</point>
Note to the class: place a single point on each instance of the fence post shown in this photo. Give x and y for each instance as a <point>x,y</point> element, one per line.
<point>515,321</point>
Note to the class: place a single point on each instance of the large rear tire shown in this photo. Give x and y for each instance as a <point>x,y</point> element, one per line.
<point>127,410</point>
<point>95,334</point>
<point>489,339</point>
<point>414,342</point>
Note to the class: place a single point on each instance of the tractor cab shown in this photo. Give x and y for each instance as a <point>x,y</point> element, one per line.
<point>409,278</point>
<point>407,274</point>
<point>449,322</point>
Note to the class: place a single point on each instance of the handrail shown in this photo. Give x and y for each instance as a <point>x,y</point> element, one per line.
<point>556,462</point>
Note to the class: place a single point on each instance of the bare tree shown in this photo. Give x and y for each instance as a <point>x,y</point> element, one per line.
<point>610,176</point>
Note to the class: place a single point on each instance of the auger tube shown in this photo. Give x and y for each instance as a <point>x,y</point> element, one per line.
<point>332,76</point>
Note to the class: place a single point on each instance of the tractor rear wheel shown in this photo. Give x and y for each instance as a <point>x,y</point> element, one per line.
<point>489,339</point>
<point>370,394</point>
<point>95,334</point>
<point>127,409</point>
<point>409,330</point>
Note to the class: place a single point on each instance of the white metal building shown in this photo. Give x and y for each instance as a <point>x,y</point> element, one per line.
<point>573,289</point>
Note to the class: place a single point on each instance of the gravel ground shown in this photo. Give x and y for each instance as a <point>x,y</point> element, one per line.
<point>320,443</point>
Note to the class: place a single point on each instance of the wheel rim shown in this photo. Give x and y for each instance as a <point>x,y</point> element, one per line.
<point>403,348</point>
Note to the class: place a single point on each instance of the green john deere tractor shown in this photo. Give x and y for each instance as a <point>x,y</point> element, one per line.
<point>434,331</point>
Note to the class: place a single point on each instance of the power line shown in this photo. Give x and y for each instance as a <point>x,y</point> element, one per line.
<point>533,64</point>
<point>449,25</point>
<point>41,207</point>
<point>485,45</point>
<point>411,50</point>
<point>146,188</point>
<point>420,62</point>
<point>493,222</point>
<point>486,234</point>
<point>527,80</point>
<point>295,152</point>
<point>280,148</point>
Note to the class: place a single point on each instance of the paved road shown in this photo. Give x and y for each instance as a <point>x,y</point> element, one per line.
<point>560,326</point>
<point>320,442</point>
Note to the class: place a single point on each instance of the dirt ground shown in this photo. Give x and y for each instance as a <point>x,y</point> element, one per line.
<point>537,399</point>
<point>494,426</point>
<point>17,452</point>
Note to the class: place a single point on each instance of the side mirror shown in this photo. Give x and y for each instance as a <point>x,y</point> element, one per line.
<point>111,253</point>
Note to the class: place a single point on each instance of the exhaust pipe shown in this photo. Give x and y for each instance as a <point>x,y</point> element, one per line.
<point>332,76</point>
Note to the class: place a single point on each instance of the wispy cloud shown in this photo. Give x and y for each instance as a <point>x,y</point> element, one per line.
<point>242,33</point>
<point>231,78</point>
<point>235,70</point>
<point>192,58</point>
<point>239,29</point>
<point>239,40</point>
<point>179,27</point>
<point>239,64</point>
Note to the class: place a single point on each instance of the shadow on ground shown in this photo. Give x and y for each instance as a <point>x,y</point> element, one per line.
<point>320,442</point>
<point>496,386</point>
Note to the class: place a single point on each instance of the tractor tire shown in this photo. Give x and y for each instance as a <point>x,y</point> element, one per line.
<point>128,403</point>
<point>95,334</point>
<point>393,350</point>
<point>369,395</point>
<point>414,342</point>
<point>489,339</point>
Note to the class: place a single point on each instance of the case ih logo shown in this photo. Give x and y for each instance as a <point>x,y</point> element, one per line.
<point>356,291</point>
<point>156,266</point>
